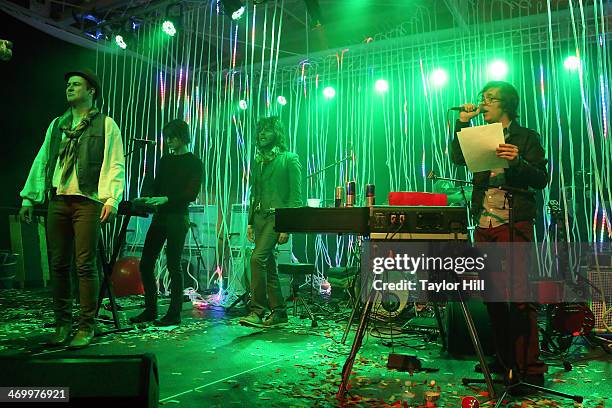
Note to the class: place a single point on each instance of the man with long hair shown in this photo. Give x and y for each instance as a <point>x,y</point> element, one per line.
<point>80,170</point>
<point>276,183</point>
<point>514,321</point>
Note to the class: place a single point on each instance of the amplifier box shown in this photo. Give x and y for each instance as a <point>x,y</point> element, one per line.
<point>418,219</point>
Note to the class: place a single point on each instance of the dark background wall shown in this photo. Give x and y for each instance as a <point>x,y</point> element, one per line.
<point>31,95</point>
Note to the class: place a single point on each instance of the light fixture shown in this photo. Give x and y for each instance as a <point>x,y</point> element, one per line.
<point>498,69</point>
<point>438,77</point>
<point>329,92</point>
<point>572,63</point>
<point>233,8</point>
<point>168,27</point>
<point>120,42</point>
<point>242,104</point>
<point>381,86</point>
<point>281,100</point>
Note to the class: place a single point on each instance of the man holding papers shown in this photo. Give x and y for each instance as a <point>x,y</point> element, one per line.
<point>503,153</point>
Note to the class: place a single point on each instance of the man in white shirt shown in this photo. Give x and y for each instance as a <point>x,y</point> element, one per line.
<point>80,170</point>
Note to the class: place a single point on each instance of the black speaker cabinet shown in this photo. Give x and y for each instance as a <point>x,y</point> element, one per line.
<point>111,381</point>
<point>457,333</point>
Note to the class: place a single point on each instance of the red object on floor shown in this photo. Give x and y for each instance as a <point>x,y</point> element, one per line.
<point>126,277</point>
<point>415,198</point>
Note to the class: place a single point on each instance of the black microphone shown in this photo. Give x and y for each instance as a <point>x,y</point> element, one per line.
<point>153,142</point>
<point>462,109</point>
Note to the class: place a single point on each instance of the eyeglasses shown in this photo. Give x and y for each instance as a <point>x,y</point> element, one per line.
<point>485,100</point>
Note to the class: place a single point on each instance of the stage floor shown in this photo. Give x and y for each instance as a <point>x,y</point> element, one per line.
<point>212,361</point>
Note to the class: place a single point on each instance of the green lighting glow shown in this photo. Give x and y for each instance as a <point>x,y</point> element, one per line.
<point>242,104</point>
<point>381,86</point>
<point>438,77</point>
<point>572,63</point>
<point>498,69</point>
<point>281,99</point>
<point>329,92</point>
<point>168,27</point>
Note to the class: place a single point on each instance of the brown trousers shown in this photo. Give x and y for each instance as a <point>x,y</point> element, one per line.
<point>73,229</point>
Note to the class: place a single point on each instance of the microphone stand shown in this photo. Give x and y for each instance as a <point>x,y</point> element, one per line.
<point>329,166</point>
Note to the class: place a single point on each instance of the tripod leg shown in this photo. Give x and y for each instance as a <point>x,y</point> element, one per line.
<point>312,317</point>
<point>348,364</point>
<point>350,322</point>
<point>242,298</point>
<point>440,325</point>
<point>477,346</point>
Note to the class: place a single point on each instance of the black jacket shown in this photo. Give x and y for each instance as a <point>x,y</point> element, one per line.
<point>531,172</point>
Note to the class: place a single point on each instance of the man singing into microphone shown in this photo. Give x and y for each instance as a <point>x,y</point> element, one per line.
<point>514,324</point>
<point>276,183</point>
<point>176,184</point>
<point>80,169</point>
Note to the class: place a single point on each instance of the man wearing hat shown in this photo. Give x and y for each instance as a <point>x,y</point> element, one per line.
<point>80,170</point>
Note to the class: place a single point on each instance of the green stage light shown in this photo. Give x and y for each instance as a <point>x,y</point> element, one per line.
<point>498,69</point>
<point>238,13</point>
<point>572,63</point>
<point>242,104</point>
<point>281,99</point>
<point>438,77</point>
<point>168,27</point>
<point>329,92</point>
<point>120,42</point>
<point>381,86</point>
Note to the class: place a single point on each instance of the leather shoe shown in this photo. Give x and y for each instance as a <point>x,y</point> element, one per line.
<point>82,339</point>
<point>60,336</point>
<point>494,367</point>
<point>168,321</point>
<point>143,317</point>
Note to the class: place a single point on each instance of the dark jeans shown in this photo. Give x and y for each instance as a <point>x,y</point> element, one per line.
<point>73,229</point>
<point>173,229</point>
<point>515,325</point>
<point>265,286</point>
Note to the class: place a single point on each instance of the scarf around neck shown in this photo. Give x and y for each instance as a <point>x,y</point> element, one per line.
<point>68,152</point>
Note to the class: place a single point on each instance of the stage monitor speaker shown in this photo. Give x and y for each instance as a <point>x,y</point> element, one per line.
<point>457,333</point>
<point>111,381</point>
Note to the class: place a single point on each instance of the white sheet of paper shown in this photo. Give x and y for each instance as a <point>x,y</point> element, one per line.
<point>478,144</point>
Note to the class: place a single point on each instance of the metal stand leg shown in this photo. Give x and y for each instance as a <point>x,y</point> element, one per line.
<point>348,364</point>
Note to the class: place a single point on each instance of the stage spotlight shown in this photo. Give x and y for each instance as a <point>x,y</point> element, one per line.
<point>233,8</point>
<point>498,69</point>
<point>281,99</point>
<point>381,86</point>
<point>168,27</point>
<point>329,92</point>
<point>242,104</point>
<point>120,42</point>
<point>438,77</point>
<point>572,63</point>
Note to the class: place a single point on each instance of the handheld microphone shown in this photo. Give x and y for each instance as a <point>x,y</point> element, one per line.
<point>153,142</point>
<point>462,109</point>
